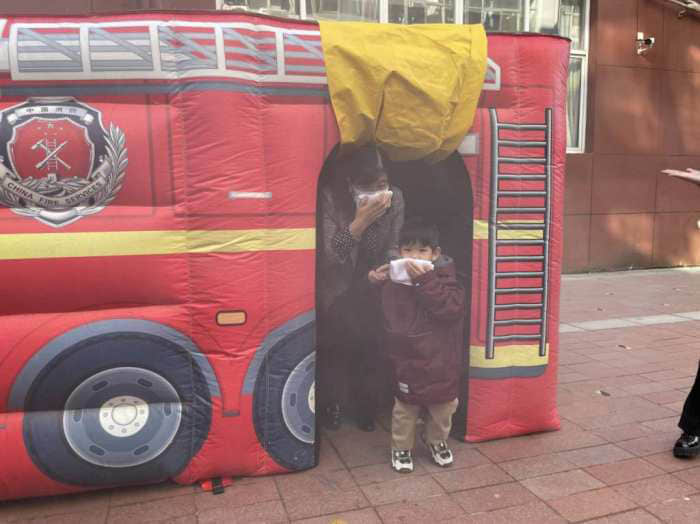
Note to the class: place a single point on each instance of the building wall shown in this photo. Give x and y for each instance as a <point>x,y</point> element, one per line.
<point>643,116</point>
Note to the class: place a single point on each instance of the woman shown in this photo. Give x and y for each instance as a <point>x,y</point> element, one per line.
<point>688,445</point>
<point>360,219</point>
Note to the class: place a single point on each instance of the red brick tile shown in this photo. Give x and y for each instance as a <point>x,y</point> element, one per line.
<point>680,510</point>
<point>311,482</point>
<point>623,432</point>
<point>596,455</point>
<point>493,497</point>
<point>131,495</point>
<point>359,448</point>
<point>625,417</point>
<point>534,512</point>
<point>666,461</point>
<point>269,512</point>
<point>666,397</point>
<point>365,475</point>
<point>591,504</point>
<point>536,466</point>
<point>162,509</point>
<point>690,476</point>
<point>476,477</point>
<point>241,492</point>
<point>663,425</point>
<point>649,445</point>
<point>328,458</point>
<point>561,484</point>
<point>92,517</point>
<point>540,444</point>
<point>406,488</point>
<point>625,471</point>
<point>363,516</point>
<point>656,489</point>
<point>429,510</point>
<point>96,502</point>
<point>638,516</point>
<point>314,505</point>
<point>464,457</point>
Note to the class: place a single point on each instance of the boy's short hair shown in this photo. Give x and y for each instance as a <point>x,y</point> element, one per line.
<point>416,230</point>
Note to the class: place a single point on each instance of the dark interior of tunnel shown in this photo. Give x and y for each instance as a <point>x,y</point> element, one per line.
<point>441,194</point>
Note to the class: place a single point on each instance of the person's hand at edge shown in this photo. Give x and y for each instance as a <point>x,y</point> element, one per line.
<point>691,175</point>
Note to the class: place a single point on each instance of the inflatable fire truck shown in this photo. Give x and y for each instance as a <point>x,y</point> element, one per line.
<point>158,182</point>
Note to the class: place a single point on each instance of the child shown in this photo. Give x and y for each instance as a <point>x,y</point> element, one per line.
<point>424,337</point>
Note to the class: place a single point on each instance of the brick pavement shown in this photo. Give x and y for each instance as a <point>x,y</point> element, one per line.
<point>622,386</point>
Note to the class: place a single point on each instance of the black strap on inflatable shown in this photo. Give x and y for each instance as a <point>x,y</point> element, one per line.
<point>217,486</point>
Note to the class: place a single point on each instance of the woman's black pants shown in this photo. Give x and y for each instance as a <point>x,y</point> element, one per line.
<point>690,418</point>
<point>350,366</point>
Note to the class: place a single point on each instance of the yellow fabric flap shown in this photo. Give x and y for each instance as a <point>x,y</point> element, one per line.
<point>411,89</point>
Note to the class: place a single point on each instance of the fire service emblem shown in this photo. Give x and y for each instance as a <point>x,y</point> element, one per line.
<point>57,161</point>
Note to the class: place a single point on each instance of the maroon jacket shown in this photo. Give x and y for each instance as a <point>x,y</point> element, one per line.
<point>424,335</point>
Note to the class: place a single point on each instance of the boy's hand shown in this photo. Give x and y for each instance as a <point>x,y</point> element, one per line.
<point>376,276</point>
<point>414,270</point>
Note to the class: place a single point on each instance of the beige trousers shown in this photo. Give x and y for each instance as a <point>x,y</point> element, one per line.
<point>405,416</point>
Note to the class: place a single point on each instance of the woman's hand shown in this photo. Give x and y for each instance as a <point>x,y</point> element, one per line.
<point>415,270</point>
<point>691,175</point>
<point>368,213</point>
<point>379,275</point>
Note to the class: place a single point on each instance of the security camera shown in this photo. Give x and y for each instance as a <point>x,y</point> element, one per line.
<point>644,43</point>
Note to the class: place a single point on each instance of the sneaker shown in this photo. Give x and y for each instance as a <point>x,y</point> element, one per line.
<point>401,460</point>
<point>442,455</point>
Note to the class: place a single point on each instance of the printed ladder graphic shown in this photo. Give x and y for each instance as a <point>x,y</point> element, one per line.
<point>120,48</point>
<point>49,49</point>
<point>521,186</point>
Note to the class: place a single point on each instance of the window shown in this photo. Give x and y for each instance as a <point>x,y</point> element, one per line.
<point>567,18</point>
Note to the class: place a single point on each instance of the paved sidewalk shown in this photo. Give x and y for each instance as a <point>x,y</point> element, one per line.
<point>629,350</point>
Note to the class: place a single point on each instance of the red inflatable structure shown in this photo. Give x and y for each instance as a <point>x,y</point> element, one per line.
<point>158,184</point>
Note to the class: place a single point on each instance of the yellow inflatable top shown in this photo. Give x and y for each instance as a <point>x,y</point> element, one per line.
<point>411,89</point>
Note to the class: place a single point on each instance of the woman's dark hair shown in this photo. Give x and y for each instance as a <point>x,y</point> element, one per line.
<point>417,231</point>
<point>362,166</point>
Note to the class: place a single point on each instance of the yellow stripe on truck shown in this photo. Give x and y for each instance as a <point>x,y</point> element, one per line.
<point>131,243</point>
<point>526,355</point>
<point>481,231</point>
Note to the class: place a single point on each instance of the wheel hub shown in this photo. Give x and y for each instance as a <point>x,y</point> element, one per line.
<point>123,416</point>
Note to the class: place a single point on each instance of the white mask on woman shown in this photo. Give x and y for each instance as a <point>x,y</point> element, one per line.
<point>362,198</point>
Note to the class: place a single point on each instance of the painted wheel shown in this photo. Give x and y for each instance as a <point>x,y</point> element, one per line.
<point>117,408</point>
<point>284,398</point>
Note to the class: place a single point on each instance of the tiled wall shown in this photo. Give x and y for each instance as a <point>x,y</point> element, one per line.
<point>644,116</point>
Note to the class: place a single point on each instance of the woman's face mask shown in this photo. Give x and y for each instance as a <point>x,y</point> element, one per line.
<point>362,197</point>
<point>364,193</point>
